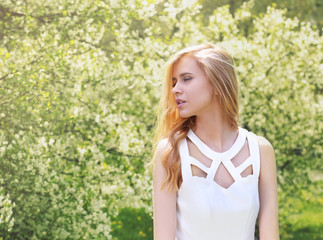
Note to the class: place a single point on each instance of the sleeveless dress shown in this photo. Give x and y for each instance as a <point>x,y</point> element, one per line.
<point>207,211</point>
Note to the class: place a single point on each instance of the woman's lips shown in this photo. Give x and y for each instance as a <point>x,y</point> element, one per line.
<point>180,102</point>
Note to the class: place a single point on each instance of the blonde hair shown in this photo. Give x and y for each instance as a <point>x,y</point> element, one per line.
<point>218,66</point>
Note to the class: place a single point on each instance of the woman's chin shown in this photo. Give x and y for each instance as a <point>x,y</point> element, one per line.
<point>185,115</point>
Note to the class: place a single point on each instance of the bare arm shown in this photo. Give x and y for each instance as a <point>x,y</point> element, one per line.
<point>268,213</point>
<point>164,200</point>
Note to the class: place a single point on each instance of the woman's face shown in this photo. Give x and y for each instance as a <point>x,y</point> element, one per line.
<point>193,92</point>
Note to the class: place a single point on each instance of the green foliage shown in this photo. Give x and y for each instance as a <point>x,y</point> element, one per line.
<point>304,10</point>
<point>6,219</point>
<point>304,220</point>
<point>132,224</point>
<point>308,224</point>
<point>79,86</point>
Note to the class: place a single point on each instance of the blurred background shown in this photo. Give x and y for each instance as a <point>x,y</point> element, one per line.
<point>79,87</point>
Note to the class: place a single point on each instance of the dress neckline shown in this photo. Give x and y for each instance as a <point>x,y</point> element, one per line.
<point>212,154</point>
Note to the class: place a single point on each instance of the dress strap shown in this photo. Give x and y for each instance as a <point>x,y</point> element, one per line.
<point>246,163</point>
<point>197,163</point>
<point>254,152</point>
<point>232,170</point>
<point>184,156</point>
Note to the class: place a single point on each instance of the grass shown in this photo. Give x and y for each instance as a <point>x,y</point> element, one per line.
<point>307,224</point>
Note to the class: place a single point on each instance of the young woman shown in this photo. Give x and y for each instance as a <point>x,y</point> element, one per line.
<point>212,179</point>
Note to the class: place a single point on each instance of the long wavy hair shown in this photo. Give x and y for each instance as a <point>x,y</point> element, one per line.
<point>218,66</point>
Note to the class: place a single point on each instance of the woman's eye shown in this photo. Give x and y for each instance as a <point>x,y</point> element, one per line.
<point>187,78</point>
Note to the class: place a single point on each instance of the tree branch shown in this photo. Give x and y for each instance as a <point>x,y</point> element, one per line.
<point>121,154</point>
<point>20,95</point>
<point>41,18</point>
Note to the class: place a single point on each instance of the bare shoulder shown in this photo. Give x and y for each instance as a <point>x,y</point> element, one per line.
<point>265,145</point>
<point>267,154</point>
<point>163,144</point>
<point>263,141</point>
<point>161,147</point>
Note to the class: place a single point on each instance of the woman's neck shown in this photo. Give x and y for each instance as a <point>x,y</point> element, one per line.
<point>214,130</point>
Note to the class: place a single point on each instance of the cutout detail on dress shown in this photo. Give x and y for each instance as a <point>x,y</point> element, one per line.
<point>224,171</point>
<point>247,172</point>
<point>223,177</point>
<point>198,172</point>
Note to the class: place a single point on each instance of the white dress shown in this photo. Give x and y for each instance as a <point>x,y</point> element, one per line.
<point>207,211</point>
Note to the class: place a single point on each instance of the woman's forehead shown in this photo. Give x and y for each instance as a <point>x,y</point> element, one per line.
<point>186,64</point>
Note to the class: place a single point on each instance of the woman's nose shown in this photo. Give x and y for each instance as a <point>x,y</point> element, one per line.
<point>177,89</point>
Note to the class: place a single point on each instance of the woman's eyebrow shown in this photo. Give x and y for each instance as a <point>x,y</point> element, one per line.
<point>181,75</point>
<point>185,73</point>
